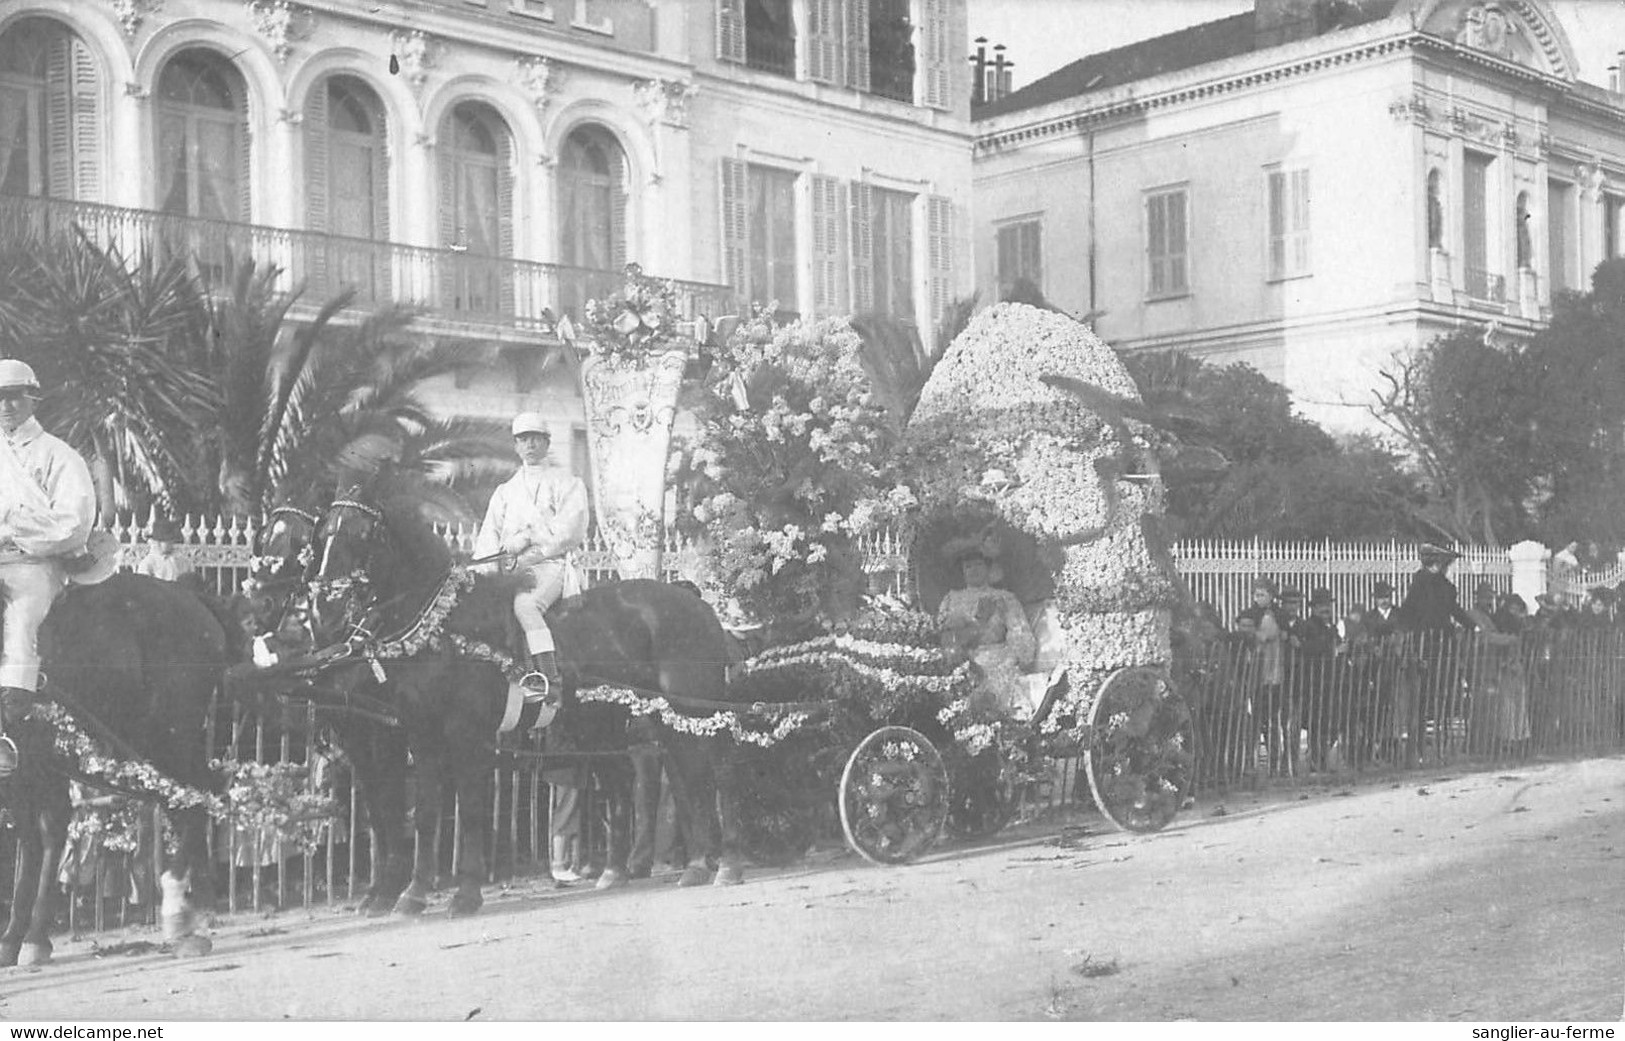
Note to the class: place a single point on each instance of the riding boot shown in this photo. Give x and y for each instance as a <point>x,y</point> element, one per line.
<point>545,666</point>
<point>15,703</point>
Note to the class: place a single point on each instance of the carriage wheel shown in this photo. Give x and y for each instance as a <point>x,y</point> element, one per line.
<point>894,796</point>
<point>1138,752</point>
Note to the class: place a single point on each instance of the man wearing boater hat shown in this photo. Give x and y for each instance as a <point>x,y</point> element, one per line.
<point>536,519</point>
<point>47,505</point>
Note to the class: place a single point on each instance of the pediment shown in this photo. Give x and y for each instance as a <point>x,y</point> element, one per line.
<point>1524,32</point>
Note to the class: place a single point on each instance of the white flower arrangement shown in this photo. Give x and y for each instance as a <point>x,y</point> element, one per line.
<point>735,723</point>
<point>987,409</point>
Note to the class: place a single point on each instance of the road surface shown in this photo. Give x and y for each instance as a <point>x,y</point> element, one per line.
<point>1468,897</point>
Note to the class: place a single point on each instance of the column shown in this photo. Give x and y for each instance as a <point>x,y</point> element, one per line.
<point>1529,570</point>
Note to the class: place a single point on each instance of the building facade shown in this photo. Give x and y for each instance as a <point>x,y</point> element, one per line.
<point>1314,185</point>
<point>496,163</point>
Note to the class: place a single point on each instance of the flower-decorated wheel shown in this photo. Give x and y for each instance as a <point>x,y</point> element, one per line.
<point>1138,750</point>
<point>894,796</point>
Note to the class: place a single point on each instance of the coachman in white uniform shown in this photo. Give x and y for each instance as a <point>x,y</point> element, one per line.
<point>536,520</point>
<point>47,505</point>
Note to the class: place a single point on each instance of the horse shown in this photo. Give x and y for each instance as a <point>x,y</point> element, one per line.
<point>137,662</point>
<point>645,635</point>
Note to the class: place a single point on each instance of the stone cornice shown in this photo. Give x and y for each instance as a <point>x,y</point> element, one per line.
<point>1120,103</point>
<point>468,28</point>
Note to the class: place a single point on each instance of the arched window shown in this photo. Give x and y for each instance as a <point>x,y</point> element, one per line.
<point>346,185</point>
<point>1521,233</point>
<point>592,200</point>
<point>50,112</point>
<point>203,151</point>
<point>476,181</point>
<point>1435,210</point>
<point>476,208</point>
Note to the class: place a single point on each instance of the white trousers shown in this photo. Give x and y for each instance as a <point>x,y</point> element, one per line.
<point>29,585</point>
<point>530,605</point>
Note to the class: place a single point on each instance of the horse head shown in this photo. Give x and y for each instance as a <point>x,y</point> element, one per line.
<point>280,548</point>
<point>373,554</point>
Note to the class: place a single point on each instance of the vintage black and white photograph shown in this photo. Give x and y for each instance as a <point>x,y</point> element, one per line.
<point>812,510</point>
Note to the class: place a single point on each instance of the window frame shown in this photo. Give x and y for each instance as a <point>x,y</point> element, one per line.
<point>1296,242</point>
<point>1150,196</point>
<point>755,175</point>
<point>1034,221</point>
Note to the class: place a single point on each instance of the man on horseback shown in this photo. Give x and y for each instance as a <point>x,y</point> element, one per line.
<point>47,505</point>
<point>536,519</point>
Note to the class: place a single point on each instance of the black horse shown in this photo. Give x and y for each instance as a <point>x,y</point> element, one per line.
<point>137,661</point>
<point>645,635</point>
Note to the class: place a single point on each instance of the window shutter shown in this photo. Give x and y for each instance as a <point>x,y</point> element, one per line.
<point>380,174</point>
<point>735,226</point>
<point>87,124</point>
<point>863,247</point>
<point>245,167</point>
<point>446,162</point>
<point>1178,243</point>
<point>315,126</point>
<point>620,175</point>
<point>58,117</point>
<point>828,271</point>
<point>731,30</point>
<point>936,83</point>
<point>857,44</point>
<point>823,51</point>
<point>939,222</point>
<point>1277,223</point>
<point>503,274</point>
<point>1300,222</point>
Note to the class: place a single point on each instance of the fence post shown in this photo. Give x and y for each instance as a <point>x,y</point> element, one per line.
<point>1529,571</point>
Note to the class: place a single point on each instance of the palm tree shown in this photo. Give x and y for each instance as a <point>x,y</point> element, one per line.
<point>311,404</point>
<point>119,346</point>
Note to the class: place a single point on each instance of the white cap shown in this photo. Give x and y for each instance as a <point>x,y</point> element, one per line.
<point>530,423</point>
<point>14,373</point>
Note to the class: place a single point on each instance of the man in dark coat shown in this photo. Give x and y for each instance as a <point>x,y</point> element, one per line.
<point>1383,617</point>
<point>1429,614</point>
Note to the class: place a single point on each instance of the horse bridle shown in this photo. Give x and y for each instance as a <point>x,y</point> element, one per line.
<point>376,532</point>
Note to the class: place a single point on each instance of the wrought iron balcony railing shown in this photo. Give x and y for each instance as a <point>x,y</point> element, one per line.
<point>446,283</point>
<point>1482,285</point>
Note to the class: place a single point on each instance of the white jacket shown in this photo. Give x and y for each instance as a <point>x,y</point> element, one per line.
<point>538,514</point>
<point>47,499</point>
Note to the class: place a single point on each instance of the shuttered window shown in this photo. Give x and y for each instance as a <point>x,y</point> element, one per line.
<point>828,221</point>
<point>771,239</point>
<point>862,199</point>
<point>937,63</point>
<point>1288,192</point>
<point>734,193</point>
<point>1482,284</point>
<point>593,200</point>
<point>50,113</point>
<point>203,144</point>
<point>731,30</point>
<point>476,178</point>
<point>824,41</point>
<point>856,26</point>
<point>891,253</point>
<point>346,187</point>
<point>1020,256</point>
<point>1167,242</point>
<point>939,220</point>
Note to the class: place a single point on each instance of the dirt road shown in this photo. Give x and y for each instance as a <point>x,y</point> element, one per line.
<point>1453,897</point>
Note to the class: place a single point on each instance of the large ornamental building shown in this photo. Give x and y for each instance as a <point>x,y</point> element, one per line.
<point>495,163</point>
<point>1311,186</point>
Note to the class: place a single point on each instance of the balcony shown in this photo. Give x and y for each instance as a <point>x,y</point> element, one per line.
<point>1482,285</point>
<point>491,293</point>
